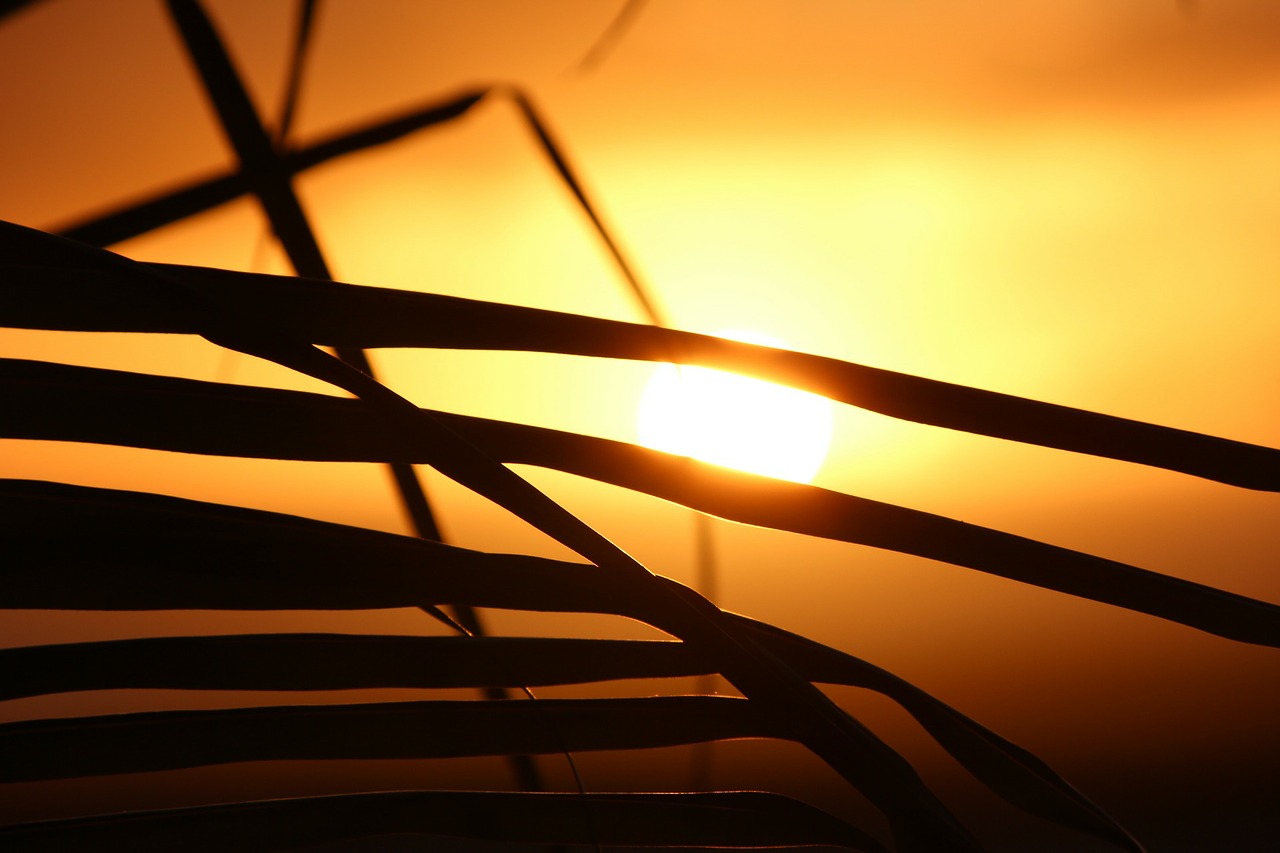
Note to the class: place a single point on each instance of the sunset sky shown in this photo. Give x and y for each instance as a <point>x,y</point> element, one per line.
<point>1069,200</point>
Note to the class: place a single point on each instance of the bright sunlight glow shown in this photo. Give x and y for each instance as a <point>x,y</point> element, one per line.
<point>735,421</point>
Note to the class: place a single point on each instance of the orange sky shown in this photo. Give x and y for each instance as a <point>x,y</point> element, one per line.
<point>1070,200</point>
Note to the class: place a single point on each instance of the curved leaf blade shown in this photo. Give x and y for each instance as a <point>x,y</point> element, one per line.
<point>86,404</point>
<point>46,296</point>
<point>398,571</point>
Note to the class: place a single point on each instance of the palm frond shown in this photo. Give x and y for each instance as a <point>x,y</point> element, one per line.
<point>77,548</point>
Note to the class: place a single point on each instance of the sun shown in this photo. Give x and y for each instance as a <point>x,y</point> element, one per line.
<point>735,421</point>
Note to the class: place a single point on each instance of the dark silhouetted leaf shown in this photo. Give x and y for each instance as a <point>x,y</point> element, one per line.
<point>739,820</point>
<point>335,662</point>
<point>130,543</point>
<point>369,317</point>
<point>85,404</point>
<point>167,740</point>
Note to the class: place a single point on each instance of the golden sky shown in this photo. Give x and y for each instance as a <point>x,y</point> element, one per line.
<point>1069,200</point>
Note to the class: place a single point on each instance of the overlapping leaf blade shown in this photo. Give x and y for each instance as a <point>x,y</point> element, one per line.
<point>334,662</point>
<point>42,295</point>
<point>210,418</point>
<point>119,532</point>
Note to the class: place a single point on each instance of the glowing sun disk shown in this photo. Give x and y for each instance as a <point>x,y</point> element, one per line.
<point>736,421</point>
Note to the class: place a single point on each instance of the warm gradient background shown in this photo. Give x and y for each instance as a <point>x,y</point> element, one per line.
<point>1070,200</point>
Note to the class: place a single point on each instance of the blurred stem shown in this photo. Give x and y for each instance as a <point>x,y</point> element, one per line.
<point>613,34</point>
